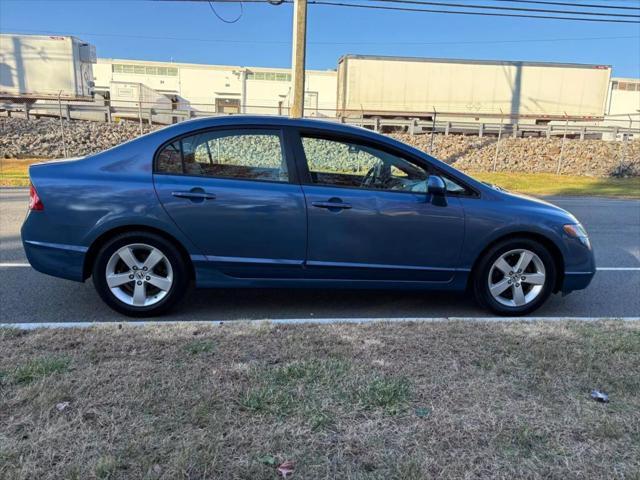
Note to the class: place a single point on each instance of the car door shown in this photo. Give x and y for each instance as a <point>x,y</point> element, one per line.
<point>233,193</point>
<point>370,217</point>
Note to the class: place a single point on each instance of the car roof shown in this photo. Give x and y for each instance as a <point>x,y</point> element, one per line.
<point>267,120</point>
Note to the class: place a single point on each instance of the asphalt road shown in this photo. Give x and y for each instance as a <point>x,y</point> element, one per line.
<point>614,227</point>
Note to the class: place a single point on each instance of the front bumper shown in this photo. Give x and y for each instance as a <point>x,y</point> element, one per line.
<point>576,281</point>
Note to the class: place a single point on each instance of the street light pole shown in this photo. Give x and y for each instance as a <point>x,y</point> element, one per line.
<point>298,57</point>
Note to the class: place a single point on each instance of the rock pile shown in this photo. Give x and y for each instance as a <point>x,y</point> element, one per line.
<point>21,138</point>
<point>533,155</point>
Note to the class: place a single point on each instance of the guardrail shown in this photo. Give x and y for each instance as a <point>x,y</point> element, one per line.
<point>497,129</point>
<point>620,127</point>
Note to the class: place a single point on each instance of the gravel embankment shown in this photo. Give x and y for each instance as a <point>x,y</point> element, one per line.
<point>533,155</point>
<point>20,138</point>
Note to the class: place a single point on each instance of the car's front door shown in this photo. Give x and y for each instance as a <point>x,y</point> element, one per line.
<point>232,193</point>
<point>370,217</point>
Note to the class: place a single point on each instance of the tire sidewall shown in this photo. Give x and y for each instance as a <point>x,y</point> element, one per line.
<point>180,277</point>
<point>481,285</point>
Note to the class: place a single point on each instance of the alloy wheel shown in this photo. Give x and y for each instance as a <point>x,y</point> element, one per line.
<point>517,278</point>
<point>139,275</point>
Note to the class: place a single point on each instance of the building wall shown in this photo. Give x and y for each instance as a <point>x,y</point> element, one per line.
<point>623,103</point>
<point>207,88</point>
<point>624,96</point>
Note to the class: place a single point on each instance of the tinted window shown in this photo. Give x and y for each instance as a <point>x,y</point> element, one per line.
<point>252,155</point>
<point>353,165</point>
<point>170,159</point>
<point>453,186</point>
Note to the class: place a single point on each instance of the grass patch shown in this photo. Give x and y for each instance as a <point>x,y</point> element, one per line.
<point>198,347</point>
<point>38,368</point>
<point>550,184</point>
<point>377,401</point>
<point>15,172</point>
<point>391,394</point>
<point>106,467</point>
<point>304,389</point>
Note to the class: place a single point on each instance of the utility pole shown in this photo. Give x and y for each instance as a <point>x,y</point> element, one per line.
<point>298,57</point>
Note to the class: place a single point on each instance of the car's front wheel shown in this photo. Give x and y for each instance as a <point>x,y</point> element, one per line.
<point>514,277</point>
<point>140,274</point>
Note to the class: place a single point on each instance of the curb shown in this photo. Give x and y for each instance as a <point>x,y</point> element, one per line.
<point>309,321</point>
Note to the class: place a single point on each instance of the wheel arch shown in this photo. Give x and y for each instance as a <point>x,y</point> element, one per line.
<point>109,234</point>
<point>554,250</point>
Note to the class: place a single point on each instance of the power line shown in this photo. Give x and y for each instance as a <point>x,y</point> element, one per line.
<point>565,4</point>
<point>348,42</point>
<point>222,19</point>
<point>541,2</point>
<point>517,9</point>
<point>469,6</point>
<point>457,12</point>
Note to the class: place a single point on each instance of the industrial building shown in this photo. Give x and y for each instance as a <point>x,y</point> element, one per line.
<point>216,88</point>
<point>624,96</point>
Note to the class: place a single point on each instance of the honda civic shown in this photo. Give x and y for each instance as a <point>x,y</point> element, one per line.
<point>247,201</point>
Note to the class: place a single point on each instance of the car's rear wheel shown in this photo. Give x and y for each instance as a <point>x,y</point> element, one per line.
<point>140,274</point>
<point>515,277</point>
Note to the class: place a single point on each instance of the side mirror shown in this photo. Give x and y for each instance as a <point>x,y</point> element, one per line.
<point>437,189</point>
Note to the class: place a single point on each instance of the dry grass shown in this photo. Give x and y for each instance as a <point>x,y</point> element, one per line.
<point>381,401</point>
<point>15,172</point>
<point>550,184</point>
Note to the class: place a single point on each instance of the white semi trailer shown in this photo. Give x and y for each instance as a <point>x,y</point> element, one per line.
<point>40,67</point>
<point>399,87</point>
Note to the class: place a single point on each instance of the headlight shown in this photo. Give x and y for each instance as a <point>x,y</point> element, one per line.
<point>577,231</point>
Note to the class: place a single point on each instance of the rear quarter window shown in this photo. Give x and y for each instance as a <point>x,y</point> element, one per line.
<point>169,159</point>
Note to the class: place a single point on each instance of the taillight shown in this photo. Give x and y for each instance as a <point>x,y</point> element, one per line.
<point>34,200</point>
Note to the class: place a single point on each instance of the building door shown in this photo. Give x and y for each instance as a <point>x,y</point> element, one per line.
<point>227,105</point>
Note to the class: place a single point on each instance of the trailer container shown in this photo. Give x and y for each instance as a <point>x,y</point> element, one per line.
<point>38,67</point>
<point>137,100</point>
<point>391,87</point>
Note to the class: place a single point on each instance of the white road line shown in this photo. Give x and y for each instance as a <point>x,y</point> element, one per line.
<point>308,321</point>
<point>618,269</point>
<point>599,269</point>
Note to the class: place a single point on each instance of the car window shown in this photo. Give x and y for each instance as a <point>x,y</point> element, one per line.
<point>346,164</point>
<point>453,186</point>
<point>252,155</point>
<point>170,159</point>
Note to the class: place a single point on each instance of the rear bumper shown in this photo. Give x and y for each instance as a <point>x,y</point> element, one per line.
<point>64,261</point>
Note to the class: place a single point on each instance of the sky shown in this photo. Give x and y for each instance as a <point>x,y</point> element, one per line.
<point>190,32</point>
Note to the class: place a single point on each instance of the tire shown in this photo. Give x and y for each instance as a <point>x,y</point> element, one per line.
<point>521,292</point>
<point>148,283</point>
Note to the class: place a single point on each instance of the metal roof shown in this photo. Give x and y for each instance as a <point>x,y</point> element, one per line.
<point>473,62</point>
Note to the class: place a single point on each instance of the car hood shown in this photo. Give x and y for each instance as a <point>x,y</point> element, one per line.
<point>539,205</point>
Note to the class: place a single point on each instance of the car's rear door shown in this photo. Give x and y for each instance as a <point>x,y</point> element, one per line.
<point>370,217</point>
<point>234,193</point>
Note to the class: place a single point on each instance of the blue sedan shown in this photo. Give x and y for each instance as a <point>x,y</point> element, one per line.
<point>272,202</point>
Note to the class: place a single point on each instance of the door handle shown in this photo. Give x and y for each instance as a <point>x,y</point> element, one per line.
<point>197,195</point>
<point>332,205</point>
